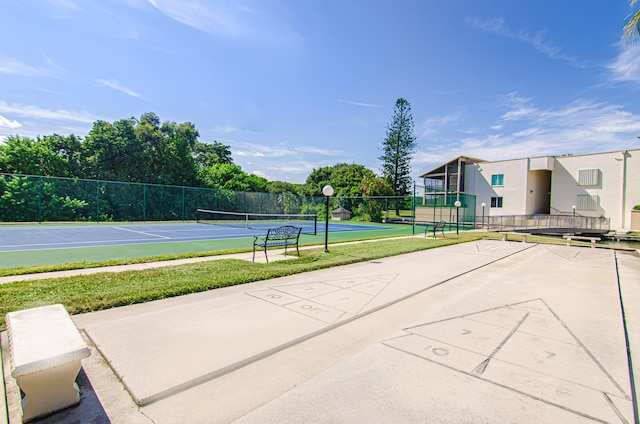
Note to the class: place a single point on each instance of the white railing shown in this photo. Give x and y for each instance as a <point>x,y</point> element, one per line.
<point>533,222</point>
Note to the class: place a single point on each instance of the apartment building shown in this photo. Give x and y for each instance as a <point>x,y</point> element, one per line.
<point>595,184</point>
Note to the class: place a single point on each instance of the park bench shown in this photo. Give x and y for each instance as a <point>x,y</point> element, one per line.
<point>438,226</point>
<point>505,234</point>
<point>45,349</point>
<point>593,240</point>
<point>284,236</point>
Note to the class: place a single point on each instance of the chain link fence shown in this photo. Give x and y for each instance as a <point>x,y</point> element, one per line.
<point>28,198</point>
<point>32,198</point>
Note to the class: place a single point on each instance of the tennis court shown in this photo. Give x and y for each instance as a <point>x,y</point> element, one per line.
<point>52,244</point>
<point>41,237</point>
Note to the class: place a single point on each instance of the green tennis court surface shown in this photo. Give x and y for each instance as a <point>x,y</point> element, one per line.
<point>56,244</point>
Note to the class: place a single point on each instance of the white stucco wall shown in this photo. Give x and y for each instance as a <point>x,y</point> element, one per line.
<point>523,192</point>
<point>618,189</point>
<point>513,192</point>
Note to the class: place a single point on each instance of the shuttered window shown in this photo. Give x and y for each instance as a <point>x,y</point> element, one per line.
<point>588,177</point>
<point>586,202</point>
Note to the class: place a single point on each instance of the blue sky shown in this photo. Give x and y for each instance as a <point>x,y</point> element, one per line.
<point>292,85</point>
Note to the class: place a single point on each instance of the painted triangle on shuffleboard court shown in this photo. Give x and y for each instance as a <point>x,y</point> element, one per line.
<point>524,347</point>
<point>327,301</point>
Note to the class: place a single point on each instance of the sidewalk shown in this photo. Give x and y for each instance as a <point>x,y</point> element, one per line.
<point>274,255</point>
<point>487,331</point>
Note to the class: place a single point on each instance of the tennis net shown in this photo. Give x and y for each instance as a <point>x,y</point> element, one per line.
<point>259,221</point>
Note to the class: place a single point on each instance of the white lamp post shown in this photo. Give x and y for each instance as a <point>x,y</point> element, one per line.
<point>483,205</point>
<point>457,205</point>
<point>328,192</point>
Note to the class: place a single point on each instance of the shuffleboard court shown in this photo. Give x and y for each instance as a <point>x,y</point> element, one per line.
<point>44,237</point>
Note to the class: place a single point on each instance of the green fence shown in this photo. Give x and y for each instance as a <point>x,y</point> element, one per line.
<point>28,198</point>
<point>435,207</point>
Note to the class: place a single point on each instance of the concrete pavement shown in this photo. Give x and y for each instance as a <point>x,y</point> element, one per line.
<point>486,331</point>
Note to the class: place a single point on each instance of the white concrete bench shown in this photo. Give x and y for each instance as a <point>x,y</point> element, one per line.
<point>46,349</point>
<point>593,240</point>
<point>506,233</point>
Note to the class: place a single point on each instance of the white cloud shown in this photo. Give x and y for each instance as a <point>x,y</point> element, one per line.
<point>219,18</point>
<point>527,130</point>
<point>246,19</point>
<point>280,150</point>
<point>12,66</point>
<point>521,107</point>
<point>626,67</point>
<point>4,122</point>
<point>30,111</point>
<point>225,130</point>
<point>317,151</point>
<point>61,9</point>
<point>116,86</point>
<point>350,102</point>
<point>434,124</point>
<point>536,40</point>
<point>258,150</point>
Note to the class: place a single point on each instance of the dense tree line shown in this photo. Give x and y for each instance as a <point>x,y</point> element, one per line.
<point>134,150</point>
<point>146,150</point>
<point>156,154</point>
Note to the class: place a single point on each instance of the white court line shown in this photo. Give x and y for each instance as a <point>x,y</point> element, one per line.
<point>72,243</point>
<point>141,232</point>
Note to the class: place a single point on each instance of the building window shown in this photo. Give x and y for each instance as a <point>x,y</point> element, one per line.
<point>586,202</point>
<point>496,202</point>
<point>588,177</point>
<point>497,180</point>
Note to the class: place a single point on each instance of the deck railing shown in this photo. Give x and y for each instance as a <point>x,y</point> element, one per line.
<point>534,222</point>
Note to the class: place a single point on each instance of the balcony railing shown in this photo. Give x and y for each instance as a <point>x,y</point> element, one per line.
<point>536,222</point>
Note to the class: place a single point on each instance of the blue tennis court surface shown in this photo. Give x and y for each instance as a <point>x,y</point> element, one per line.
<point>76,236</point>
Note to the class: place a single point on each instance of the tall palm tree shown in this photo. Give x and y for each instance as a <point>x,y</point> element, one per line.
<point>631,32</point>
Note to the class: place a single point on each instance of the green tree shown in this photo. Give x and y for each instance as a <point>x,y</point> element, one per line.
<point>52,155</point>
<point>344,177</point>
<point>210,154</point>
<point>371,188</point>
<point>69,151</point>
<point>317,179</point>
<point>398,148</point>
<point>229,176</point>
<point>144,150</point>
<point>113,152</point>
<point>347,178</point>
<point>177,165</point>
<point>283,187</point>
<point>631,31</point>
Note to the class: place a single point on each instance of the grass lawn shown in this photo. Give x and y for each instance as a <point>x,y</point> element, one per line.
<point>107,290</point>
